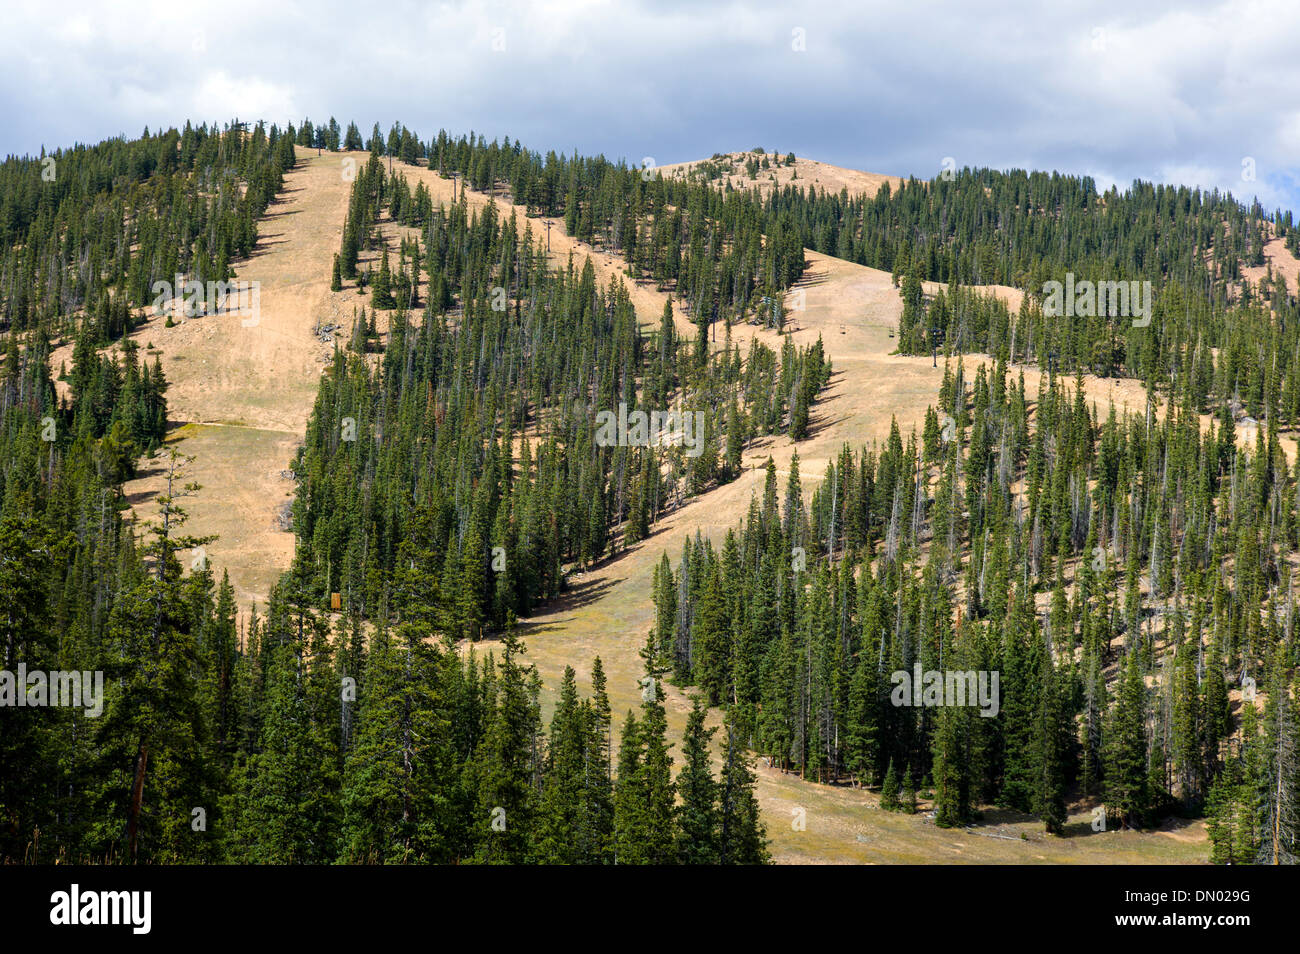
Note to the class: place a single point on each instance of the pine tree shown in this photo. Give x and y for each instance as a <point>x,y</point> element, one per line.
<point>889,798</point>
<point>644,812</point>
<point>697,814</point>
<point>742,838</point>
<point>1052,727</point>
<point>1127,789</point>
<point>563,809</point>
<point>381,295</point>
<point>907,800</point>
<point>506,796</point>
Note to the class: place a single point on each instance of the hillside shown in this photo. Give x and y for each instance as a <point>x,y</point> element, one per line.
<point>609,611</point>
<point>734,169</point>
<point>432,437</point>
<point>240,395</point>
<point>245,406</point>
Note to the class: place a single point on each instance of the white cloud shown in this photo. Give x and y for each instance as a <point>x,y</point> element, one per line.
<point>226,96</point>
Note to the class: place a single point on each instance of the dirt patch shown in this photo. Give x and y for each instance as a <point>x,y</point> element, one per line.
<point>1279,258</point>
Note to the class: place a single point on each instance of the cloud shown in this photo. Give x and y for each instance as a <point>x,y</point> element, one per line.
<point>1170,92</point>
<point>223,95</point>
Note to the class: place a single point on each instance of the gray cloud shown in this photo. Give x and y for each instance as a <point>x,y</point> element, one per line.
<point>1165,92</point>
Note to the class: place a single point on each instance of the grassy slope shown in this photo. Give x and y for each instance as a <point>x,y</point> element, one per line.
<point>240,396</point>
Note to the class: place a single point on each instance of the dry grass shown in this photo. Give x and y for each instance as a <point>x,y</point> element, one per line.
<point>240,396</point>
<point>1279,258</point>
<point>804,173</point>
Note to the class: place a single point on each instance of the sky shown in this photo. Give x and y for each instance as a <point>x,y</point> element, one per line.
<point>1201,94</point>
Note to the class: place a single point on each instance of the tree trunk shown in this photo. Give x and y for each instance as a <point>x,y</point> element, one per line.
<point>137,796</point>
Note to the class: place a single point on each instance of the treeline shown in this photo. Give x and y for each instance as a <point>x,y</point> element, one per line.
<point>722,260</point>
<point>716,251</point>
<point>440,758</point>
<point>985,227</point>
<point>1189,346</point>
<point>1202,332</point>
<point>1130,579</point>
<point>79,594</point>
<point>88,230</point>
<point>730,255</point>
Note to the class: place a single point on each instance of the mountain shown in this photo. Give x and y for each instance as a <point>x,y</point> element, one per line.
<point>899,457</point>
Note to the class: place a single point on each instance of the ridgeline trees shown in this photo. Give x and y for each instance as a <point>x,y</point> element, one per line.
<point>87,231</point>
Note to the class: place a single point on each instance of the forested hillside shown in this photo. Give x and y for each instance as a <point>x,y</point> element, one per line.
<point>1124,575</point>
<point>83,590</point>
<point>1127,573</point>
<point>486,411</point>
<point>88,230</point>
<point>443,489</point>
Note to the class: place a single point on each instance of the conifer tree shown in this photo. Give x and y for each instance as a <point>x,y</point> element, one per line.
<point>697,814</point>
